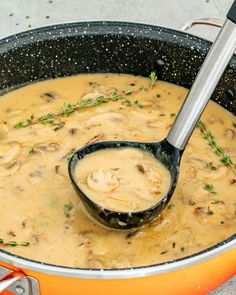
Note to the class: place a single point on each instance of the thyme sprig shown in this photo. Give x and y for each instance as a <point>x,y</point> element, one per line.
<point>153,77</point>
<point>14,243</point>
<point>225,159</point>
<point>67,110</point>
<point>67,209</point>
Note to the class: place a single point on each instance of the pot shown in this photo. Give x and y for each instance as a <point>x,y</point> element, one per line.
<point>119,47</point>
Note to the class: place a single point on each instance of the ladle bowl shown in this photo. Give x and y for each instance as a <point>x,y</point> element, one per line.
<point>168,155</point>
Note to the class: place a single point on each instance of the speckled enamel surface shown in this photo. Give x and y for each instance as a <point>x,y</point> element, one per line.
<point>90,47</point>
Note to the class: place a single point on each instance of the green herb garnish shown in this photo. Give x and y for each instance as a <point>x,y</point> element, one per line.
<point>14,243</point>
<point>32,151</point>
<point>67,209</point>
<point>69,155</point>
<point>153,77</point>
<point>209,187</point>
<point>127,102</point>
<point>225,159</point>
<point>172,115</point>
<point>170,206</point>
<point>19,125</point>
<point>217,202</point>
<point>211,166</point>
<point>67,110</point>
<point>115,96</point>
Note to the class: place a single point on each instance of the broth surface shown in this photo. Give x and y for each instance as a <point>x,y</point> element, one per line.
<point>42,217</point>
<point>123,180</point>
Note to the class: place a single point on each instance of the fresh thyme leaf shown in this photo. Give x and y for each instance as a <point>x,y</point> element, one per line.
<point>170,206</point>
<point>67,209</point>
<point>225,159</point>
<point>172,115</point>
<point>158,95</point>
<point>25,244</point>
<point>32,151</point>
<point>127,92</point>
<point>209,187</point>
<point>30,120</point>
<point>210,212</point>
<point>46,119</point>
<point>19,125</point>
<point>59,125</point>
<point>69,155</point>
<point>211,166</point>
<point>234,125</point>
<point>217,202</point>
<point>127,102</point>
<point>182,249</point>
<point>114,96</point>
<point>67,109</point>
<point>142,89</point>
<point>153,77</point>
<point>14,243</point>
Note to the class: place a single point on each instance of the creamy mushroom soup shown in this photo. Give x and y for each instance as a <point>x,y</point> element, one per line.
<point>124,180</point>
<point>42,217</point>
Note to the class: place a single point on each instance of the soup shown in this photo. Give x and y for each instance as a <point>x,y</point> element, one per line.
<point>42,217</point>
<point>123,180</point>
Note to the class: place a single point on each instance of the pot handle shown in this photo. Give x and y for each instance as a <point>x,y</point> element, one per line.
<point>16,282</point>
<point>10,279</point>
<point>214,22</point>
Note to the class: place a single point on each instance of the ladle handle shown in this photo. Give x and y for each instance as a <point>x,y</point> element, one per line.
<point>205,82</point>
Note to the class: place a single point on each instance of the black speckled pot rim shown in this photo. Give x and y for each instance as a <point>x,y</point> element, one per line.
<point>54,51</point>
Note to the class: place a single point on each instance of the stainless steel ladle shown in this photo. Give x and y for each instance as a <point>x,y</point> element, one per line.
<point>170,150</point>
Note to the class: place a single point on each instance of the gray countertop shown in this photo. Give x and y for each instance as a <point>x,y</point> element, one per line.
<point>21,15</point>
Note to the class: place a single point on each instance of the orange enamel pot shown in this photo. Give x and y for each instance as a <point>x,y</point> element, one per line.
<point>192,275</point>
<point>119,47</point>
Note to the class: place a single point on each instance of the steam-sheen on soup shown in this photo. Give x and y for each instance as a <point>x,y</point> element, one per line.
<point>42,217</point>
<point>123,179</point>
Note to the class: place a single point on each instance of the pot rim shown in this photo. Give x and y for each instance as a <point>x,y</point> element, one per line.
<point>136,272</point>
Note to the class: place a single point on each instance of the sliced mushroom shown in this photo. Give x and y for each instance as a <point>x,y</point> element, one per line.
<point>150,171</point>
<point>105,118</point>
<point>35,176</point>
<point>96,138</point>
<point>49,96</point>
<point>14,112</point>
<point>211,215</point>
<point>156,124</point>
<point>60,171</point>
<point>10,168</point>
<point>8,152</point>
<point>197,162</point>
<point>4,131</point>
<point>46,147</point>
<point>102,180</point>
<point>229,134</point>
